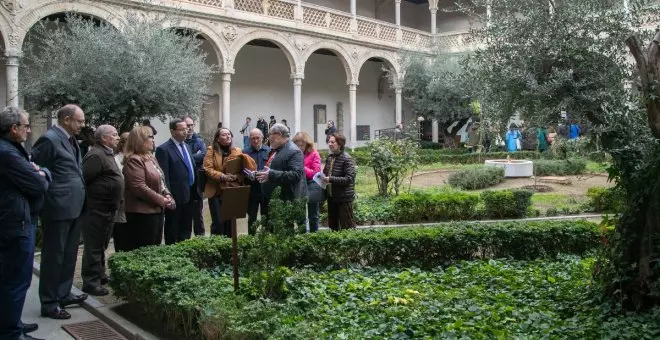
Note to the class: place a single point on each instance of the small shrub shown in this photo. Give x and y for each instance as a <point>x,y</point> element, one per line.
<point>506,203</point>
<point>552,212</point>
<point>546,167</point>
<point>609,200</point>
<point>480,177</point>
<point>599,157</point>
<point>442,206</point>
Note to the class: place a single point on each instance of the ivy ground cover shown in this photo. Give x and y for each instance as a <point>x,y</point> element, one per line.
<point>488,299</point>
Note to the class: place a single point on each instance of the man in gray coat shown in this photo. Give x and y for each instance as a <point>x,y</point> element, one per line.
<point>284,168</point>
<point>58,151</point>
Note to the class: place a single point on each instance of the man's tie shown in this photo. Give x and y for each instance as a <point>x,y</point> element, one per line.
<point>191,178</point>
<point>73,142</point>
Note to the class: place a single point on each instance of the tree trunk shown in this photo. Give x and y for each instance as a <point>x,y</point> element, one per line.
<point>636,259</point>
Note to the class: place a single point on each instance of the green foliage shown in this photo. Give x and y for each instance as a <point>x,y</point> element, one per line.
<point>507,203</point>
<point>118,75</point>
<point>609,200</point>
<point>479,177</point>
<point>392,161</point>
<point>545,167</point>
<point>434,206</point>
<point>436,88</point>
<point>273,244</point>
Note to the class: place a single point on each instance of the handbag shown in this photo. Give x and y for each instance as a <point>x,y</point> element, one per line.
<point>315,193</point>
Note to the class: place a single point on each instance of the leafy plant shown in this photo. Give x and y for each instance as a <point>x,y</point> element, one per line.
<point>609,200</point>
<point>506,203</point>
<point>479,177</point>
<point>392,161</point>
<point>118,75</point>
<point>547,167</point>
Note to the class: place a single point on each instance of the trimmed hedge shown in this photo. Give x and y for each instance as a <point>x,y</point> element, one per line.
<point>450,156</point>
<point>507,203</point>
<point>548,167</point>
<point>424,247</point>
<point>436,206</point>
<point>608,200</point>
<point>480,177</point>
<point>177,283</point>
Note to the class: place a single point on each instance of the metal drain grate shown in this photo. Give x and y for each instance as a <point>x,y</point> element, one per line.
<point>92,330</point>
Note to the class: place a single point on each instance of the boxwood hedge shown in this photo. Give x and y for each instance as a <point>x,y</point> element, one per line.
<point>177,283</point>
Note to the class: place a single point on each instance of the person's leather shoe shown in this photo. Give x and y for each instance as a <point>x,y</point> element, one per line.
<point>73,300</point>
<point>28,337</point>
<point>96,291</point>
<point>57,314</point>
<point>30,327</point>
<point>105,280</point>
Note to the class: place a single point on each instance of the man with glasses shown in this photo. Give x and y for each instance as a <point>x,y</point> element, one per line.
<point>198,148</point>
<point>58,151</point>
<point>20,181</point>
<point>176,161</point>
<point>284,167</point>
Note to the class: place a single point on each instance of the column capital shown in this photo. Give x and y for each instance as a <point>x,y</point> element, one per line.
<point>226,76</point>
<point>398,2</point>
<point>398,89</point>
<point>352,84</point>
<point>433,5</point>
<point>297,76</point>
<point>13,53</point>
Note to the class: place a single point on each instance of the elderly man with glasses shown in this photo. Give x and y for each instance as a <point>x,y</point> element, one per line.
<point>22,186</point>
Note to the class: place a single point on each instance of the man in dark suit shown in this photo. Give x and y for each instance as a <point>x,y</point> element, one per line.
<point>105,187</point>
<point>284,168</point>
<point>22,186</point>
<point>198,148</point>
<point>58,151</point>
<point>175,158</point>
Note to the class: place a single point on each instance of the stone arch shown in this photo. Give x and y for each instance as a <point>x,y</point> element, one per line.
<point>388,58</point>
<point>279,40</point>
<point>31,16</point>
<point>337,49</point>
<point>5,29</point>
<point>209,34</point>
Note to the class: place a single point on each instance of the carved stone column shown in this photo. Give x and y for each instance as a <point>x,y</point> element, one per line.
<point>12,62</point>
<point>434,131</point>
<point>433,7</point>
<point>397,12</point>
<point>340,118</point>
<point>354,26</point>
<point>297,103</point>
<point>226,99</point>
<point>398,90</point>
<point>352,105</point>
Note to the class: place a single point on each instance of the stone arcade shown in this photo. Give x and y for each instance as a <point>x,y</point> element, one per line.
<point>299,61</point>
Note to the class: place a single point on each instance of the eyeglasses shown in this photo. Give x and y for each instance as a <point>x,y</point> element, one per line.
<point>27,126</point>
<point>150,137</point>
<point>190,125</point>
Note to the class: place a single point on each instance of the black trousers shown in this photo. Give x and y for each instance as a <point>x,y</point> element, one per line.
<point>340,215</point>
<point>178,223</point>
<point>140,230</point>
<point>16,258</point>
<point>59,254</point>
<point>218,226</point>
<point>198,217</point>
<point>256,203</point>
<point>96,229</point>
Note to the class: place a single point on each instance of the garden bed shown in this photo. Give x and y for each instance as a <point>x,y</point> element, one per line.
<point>188,285</point>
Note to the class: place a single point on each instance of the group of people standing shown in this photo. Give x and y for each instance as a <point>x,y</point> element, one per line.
<point>124,189</point>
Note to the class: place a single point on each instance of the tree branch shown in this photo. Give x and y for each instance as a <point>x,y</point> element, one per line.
<point>634,45</point>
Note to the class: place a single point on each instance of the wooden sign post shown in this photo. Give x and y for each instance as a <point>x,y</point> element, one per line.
<point>234,205</point>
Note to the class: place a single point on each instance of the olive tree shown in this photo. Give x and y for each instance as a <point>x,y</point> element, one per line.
<point>539,58</point>
<point>118,75</point>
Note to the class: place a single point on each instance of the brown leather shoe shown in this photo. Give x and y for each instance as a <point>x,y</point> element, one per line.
<point>96,291</point>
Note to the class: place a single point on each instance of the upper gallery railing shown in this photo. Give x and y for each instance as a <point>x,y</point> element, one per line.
<point>340,22</point>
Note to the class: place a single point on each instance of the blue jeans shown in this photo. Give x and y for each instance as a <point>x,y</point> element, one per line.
<point>246,141</point>
<point>16,258</point>
<point>313,216</point>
